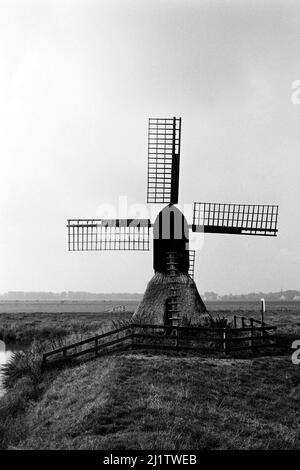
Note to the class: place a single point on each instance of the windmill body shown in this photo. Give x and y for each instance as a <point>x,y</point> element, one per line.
<point>171,297</point>
<point>170,235</point>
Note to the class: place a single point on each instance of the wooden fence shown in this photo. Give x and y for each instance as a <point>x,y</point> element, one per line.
<point>251,335</point>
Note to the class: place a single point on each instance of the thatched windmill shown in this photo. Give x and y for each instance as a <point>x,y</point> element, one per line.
<point>171,296</point>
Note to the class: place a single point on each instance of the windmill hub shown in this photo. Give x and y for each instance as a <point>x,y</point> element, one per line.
<point>171,294</point>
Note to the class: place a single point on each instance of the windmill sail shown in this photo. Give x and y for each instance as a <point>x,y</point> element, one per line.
<point>243,219</point>
<point>108,234</point>
<point>163,160</point>
<point>192,263</point>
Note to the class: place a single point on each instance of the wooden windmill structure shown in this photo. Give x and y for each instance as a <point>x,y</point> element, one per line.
<point>171,296</point>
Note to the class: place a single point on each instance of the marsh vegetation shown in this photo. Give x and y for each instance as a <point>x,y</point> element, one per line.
<point>146,400</point>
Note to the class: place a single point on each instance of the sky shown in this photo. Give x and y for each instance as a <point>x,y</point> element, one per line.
<point>78,82</point>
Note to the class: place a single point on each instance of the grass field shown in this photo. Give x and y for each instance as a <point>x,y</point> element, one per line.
<point>24,322</point>
<point>152,401</point>
<point>145,401</point>
<point>25,326</point>
<point>66,306</point>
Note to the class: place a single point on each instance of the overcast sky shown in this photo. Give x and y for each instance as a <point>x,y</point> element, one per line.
<point>78,81</point>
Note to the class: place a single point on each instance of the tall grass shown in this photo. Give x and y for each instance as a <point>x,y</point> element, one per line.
<point>25,381</point>
<point>28,363</point>
<point>216,321</point>
<point>219,321</point>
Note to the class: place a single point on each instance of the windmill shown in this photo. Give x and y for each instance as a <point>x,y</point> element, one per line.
<point>171,296</point>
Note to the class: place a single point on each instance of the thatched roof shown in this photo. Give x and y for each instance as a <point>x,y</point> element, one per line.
<point>152,307</point>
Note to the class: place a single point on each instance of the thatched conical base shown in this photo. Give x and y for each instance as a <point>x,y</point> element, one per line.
<point>152,307</point>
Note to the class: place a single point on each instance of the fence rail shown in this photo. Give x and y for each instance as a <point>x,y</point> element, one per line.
<point>224,340</point>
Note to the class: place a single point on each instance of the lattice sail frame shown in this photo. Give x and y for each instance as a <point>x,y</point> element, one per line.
<point>108,234</point>
<point>164,139</point>
<point>242,219</point>
<point>192,254</point>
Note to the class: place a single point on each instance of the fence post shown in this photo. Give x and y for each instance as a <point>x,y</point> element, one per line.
<point>275,336</point>
<point>243,322</point>
<point>234,321</point>
<point>263,309</point>
<point>263,332</point>
<point>251,334</point>
<point>96,347</point>
<point>177,337</point>
<point>132,335</point>
<point>224,340</point>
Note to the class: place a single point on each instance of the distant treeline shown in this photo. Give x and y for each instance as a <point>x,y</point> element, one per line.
<point>59,296</point>
<point>288,295</point>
